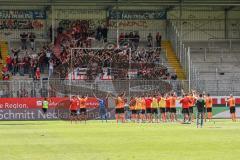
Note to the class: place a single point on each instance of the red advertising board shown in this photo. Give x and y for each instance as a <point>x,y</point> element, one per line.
<point>36,103</point>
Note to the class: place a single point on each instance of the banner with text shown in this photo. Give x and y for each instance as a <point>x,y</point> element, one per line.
<point>31,109</point>
<point>36,103</point>
<point>22,14</point>
<point>137,15</point>
<point>21,24</point>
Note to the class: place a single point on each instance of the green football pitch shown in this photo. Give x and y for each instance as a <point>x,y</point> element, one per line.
<point>60,140</point>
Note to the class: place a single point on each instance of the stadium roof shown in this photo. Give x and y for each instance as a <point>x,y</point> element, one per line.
<point>124,2</point>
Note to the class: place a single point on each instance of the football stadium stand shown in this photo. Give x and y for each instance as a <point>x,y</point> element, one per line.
<point>187,45</point>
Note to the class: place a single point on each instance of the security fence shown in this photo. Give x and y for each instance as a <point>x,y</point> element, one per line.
<point>62,87</point>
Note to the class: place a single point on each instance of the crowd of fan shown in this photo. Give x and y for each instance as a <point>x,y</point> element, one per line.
<point>78,35</point>
<point>29,62</point>
<point>134,39</point>
<point>116,59</point>
<point>146,62</point>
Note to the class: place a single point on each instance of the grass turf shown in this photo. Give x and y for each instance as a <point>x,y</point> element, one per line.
<point>60,140</point>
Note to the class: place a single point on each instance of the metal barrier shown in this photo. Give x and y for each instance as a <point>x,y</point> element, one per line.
<point>183,53</point>
<point>227,43</point>
<point>24,88</point>
<point>62,88</point>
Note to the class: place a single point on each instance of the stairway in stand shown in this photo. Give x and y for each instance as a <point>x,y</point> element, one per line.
<point>4,54</point>
<point>4,50</point>
<point>173,60</point>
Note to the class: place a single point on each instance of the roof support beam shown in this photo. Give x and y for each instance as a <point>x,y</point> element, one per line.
<point>157,3</point>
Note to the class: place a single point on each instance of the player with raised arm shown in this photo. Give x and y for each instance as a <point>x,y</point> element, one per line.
<point>119,110</point>
<point>232,109</point>
<point>162,106</point>
<point>73,108</point>
<point>154,106</point>
<point>208,104</point>
<point>127,114</point>
<point>102,107</point>
<point>168,107</point>
<point>83,108</point>
<point>185,101</point>
<point>205,110</point>
<point>143,113</point>
<point>148,102</point>
<point>191,105</point>
<point>173,110</point>
<point>132,105</point>
<point>138,108</point>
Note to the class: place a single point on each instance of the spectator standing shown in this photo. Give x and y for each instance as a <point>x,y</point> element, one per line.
<point>136,40</point>
<point>21,67</point>
<point>15,53</point>
<point>26,61</point>
<point>4,71</point>
<point>158,39</point>
<point>50,72</point>
<point>131,37</point>
<point>41,61</point>
<point>32,69</point>
<point>24,37</point>
<point>6,76</point>
<point>50,34</point>
<point>105,33</point>
<point>9,63</point>
<point>48,54</point>
<point>32,40</point>
<point>149,40</point>
<point>15,66</point>
<point>121,38</point>
<point>99,33</point>
<point>38,74</point>
<point>126,36</point>
<point>174,76</point>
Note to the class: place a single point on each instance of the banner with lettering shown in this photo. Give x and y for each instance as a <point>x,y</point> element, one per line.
<point>23,14</point>
<point>21,24</point>
<point>31,109</point>
<point>36,103</point>
<point>137,15</point>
